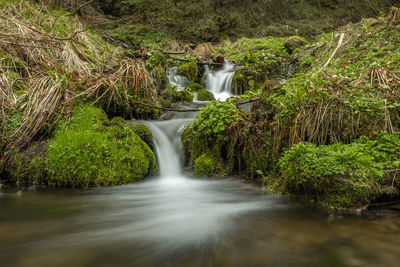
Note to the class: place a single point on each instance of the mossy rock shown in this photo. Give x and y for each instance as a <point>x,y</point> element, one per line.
<point>119,124</point>
<point>171,94</point>
<point>204,95</point>
<point>28,167</point>
<point>190,70</point>
<point>84,154</point>
<point>195,87</point>
<point>144,133</point>
<point>294,42</point>
<point>208,165</point>
<point>240,84</point>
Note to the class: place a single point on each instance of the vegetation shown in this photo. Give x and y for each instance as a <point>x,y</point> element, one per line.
<point>88,152</point>
<point>343,175</point>
<point>325,125</point>
<point>315,134</point>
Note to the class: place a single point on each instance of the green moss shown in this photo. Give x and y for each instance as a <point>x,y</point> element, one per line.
<point>28,167</point>
<point>88,152</point>
<point>144,133</point>
<point>294,42</point>
<point>204,95</point>
<point>208,165</point>
<point>195,87</point>
<point>205,165</point>
<point>342,176</point>
<point>171,94</point>
<point>189,70</point>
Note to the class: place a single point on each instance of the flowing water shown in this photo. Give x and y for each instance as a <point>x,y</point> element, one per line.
<point>220,82</point>
<point>176,80</point>
<point>179,220</point>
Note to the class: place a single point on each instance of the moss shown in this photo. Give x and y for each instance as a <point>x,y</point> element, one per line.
<point>294,42</point>
<point>208,165</point>
<point>88,152</point>
<point>28,166</point>
<point>342,176</point>
<point>189,70</point>
<point>171,94</point>
<point>195,87</point>
<point>204,95</point>
<point>240,82</point>
<point>144,133</point>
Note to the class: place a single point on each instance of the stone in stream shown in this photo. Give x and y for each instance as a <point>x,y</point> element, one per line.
<point>293,43</point>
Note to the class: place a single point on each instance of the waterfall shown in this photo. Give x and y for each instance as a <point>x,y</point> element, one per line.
<point>220,82</point>
<point>168,145</point>
<point>176,80</point>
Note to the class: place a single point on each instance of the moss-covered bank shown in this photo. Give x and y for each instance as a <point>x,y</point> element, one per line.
<point>88,151</point>
<point>329,132</point>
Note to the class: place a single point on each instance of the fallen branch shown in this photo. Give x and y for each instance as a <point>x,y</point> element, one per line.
<point>198,62</point>
<point>334,52</point>
<point>82,6</point>
<point>191,110</point>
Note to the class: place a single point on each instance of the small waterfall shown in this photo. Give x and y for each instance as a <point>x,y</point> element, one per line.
<point>220,82</point>
<point>168,145</point>
<point>176,80</point>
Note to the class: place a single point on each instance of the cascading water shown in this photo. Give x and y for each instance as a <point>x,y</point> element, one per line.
<point>176,80</point>
<point>220,82</point>
<point>168,145</point>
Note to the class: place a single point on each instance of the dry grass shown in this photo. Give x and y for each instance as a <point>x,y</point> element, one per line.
<point>47,52</point>
<point>117,88</point>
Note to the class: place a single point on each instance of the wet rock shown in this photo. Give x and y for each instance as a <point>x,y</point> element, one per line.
<point>219,59</point>
<point>293,43</point>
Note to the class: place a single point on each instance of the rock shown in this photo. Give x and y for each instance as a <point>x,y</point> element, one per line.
<point>204,95</point>
<point>219,59</point>
<point>293,43</point>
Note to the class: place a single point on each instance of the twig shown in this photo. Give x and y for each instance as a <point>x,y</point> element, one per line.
<point>82,6</point>
<point>334,52</point>
<point>190,110</point>
<point>198,62</point>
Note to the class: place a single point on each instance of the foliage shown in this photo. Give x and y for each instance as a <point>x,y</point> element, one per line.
<point>259,59</point>
<point>212,21</point>
<point>88,152</point>
<point>214,120</point>
<point>341,175</point>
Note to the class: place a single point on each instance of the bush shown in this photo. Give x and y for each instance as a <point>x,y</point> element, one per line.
<point>89,152</point>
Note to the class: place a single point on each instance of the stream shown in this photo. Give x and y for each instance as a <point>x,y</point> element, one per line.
<point>180,220</point>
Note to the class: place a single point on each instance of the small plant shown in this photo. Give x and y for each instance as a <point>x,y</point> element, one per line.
<point>215,119</point>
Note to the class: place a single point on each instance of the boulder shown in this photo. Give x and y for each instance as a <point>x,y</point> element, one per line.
<point>293,43</point>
